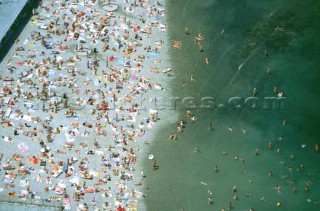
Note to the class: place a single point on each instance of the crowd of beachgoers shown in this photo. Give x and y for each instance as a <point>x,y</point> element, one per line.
<point>72,126</point>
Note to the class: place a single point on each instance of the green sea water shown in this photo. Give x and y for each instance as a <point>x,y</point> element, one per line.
<point>237,64</point>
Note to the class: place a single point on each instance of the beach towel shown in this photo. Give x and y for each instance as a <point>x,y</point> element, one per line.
<point>33,22</point>
<point>23,147</point>
<point>153,53</point>
<point>35,161</point>
<point>25,42</point>
<point>67,203</point>
<point>19,63</point>
<point>121,62</point>
<point>27,118</point>
<point>7,139</point>
<point>23,182</point>
<point>75,124</point>
<point>31,44</point>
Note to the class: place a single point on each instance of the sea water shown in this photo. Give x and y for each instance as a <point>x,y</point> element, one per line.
<point>279,35</point>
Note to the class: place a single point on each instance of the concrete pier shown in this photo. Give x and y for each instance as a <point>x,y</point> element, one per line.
<point>14,15</point>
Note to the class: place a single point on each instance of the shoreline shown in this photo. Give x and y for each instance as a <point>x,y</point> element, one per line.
<point>91,127</point>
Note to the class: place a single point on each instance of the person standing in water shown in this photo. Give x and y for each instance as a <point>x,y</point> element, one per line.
<point>191,78</point>
<point>210,126</point>
<point>186,30</point>
<point>222,32</point>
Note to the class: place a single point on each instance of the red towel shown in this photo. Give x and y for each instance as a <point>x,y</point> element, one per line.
<point>35,161</point>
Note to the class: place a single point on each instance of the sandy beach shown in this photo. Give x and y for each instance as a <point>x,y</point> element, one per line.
<point>74,129</point>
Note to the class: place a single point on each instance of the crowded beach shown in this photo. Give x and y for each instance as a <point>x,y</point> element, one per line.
<point>73,132</point>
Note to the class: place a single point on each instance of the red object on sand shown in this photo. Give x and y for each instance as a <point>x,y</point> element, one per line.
<point>19,63</point>
<point>75,124</point>
<point>90,190</point>
<point>133,159</point>
<point>120,208</point>
<point>35,161</point>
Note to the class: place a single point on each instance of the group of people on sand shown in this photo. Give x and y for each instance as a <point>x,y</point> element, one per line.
<point>79,149</point>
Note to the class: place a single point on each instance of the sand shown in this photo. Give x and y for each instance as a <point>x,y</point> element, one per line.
<point>74,125</point>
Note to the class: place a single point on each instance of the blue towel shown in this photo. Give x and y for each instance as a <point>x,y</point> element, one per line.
<point>153,53</point>
<point>121,62</point>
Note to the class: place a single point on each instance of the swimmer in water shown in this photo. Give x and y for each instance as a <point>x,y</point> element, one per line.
<point>191,78</point>
<point>279,29</point>
<point>210,127</point>
<point>194,119</point>
<point>186,30</point>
